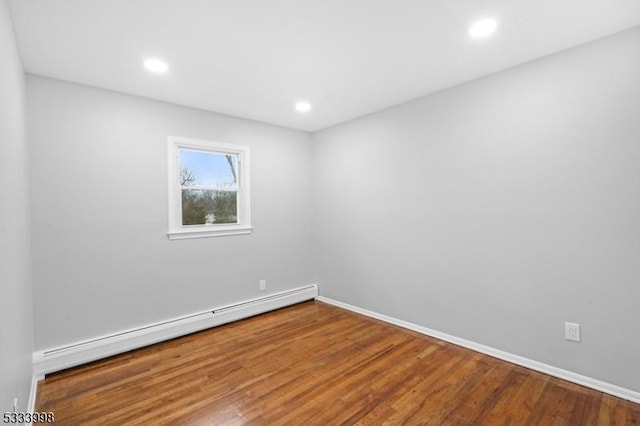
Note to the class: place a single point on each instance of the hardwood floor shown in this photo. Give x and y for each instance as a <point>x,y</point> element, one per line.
<point>313,363</point>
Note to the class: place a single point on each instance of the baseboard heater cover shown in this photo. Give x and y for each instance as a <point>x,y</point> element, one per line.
<point>60,358</point>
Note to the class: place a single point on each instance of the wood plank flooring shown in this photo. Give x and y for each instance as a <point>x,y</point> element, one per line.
<point>311,364</point>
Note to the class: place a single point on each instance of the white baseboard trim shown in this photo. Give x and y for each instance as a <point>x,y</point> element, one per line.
<point>570,376</point>
<point>31,404</point>
<point>56,359</point>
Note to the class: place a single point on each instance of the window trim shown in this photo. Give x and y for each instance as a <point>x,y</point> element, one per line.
<point>177,231</point>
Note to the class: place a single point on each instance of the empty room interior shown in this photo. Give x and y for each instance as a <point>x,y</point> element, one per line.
<point>320,212</point>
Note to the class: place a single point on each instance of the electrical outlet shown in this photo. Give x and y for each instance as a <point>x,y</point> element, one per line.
<point>572,331</point>
<point>15,405</point>
<point>263,285</point>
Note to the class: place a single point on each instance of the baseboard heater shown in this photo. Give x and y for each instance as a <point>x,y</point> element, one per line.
<point>60,358</point>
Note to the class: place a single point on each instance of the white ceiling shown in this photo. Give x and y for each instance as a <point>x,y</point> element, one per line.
<point>255,58</point>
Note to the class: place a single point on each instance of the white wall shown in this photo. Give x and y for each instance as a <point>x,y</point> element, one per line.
<point>16,325</point>
<point>497,210</point>
<point>101,258</point>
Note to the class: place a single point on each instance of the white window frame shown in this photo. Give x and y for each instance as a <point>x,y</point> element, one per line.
<point>178,231</point>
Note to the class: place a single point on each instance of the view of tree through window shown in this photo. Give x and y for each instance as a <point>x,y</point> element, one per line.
<point>209,186</point>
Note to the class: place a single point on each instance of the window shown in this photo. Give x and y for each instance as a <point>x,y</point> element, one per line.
<point>208,189</point>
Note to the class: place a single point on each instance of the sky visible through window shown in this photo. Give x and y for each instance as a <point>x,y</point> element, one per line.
<point>209,168</point>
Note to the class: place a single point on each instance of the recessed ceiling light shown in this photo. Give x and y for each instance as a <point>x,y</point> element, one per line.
<point>156,65</point>
<point>483,28</point>
<point>303,106</point>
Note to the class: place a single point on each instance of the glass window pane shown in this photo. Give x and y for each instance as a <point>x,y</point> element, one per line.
<point>206,207</point>
<point>208,169</point>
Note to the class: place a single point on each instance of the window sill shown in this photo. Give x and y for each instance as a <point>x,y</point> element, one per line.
<point>205,233</point>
